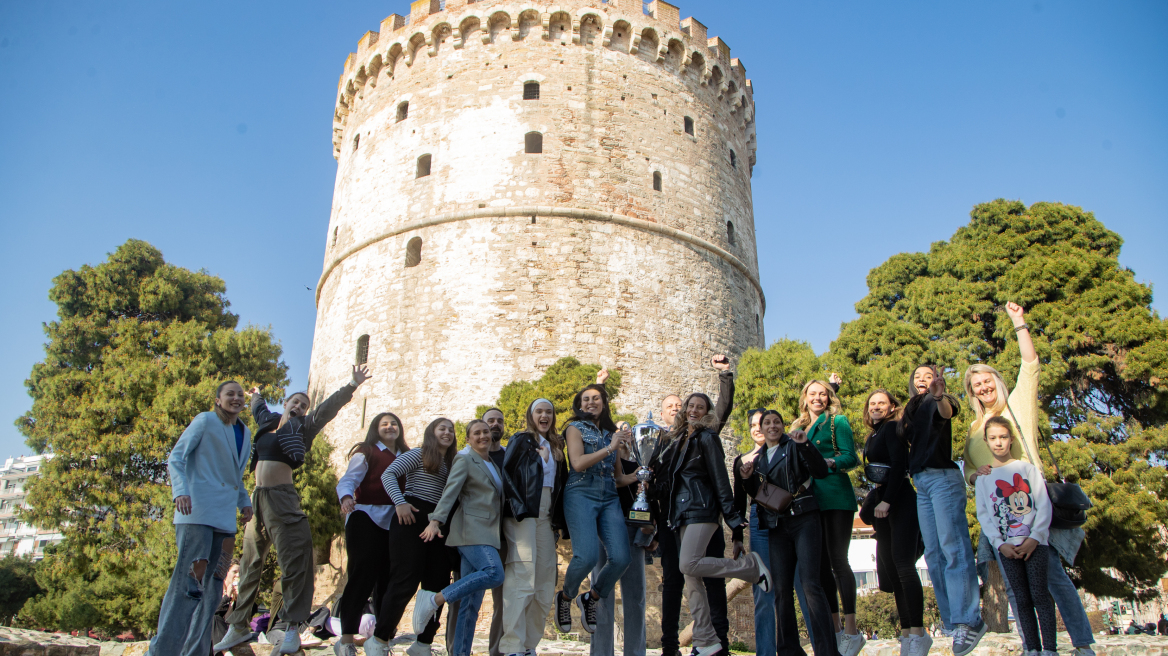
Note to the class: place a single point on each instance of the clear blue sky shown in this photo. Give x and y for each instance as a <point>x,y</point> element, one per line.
<point>205,129</point>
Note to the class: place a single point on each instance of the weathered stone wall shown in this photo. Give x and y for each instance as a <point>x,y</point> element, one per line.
<point>526,258</point>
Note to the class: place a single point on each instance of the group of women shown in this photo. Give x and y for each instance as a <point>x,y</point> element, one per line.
<point>416,516</point>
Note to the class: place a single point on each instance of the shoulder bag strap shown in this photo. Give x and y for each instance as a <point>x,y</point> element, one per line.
<point>1026,447</point>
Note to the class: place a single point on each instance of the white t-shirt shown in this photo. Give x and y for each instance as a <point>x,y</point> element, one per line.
<point>549,464</point>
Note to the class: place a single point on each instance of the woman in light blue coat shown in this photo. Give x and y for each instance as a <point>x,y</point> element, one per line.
<point>206,480</point>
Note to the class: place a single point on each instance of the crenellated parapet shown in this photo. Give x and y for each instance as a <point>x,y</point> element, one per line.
<point>656,34</point>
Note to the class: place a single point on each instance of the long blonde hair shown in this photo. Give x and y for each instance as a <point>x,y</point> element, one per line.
<point>833,406</point>
<point>980,412</point>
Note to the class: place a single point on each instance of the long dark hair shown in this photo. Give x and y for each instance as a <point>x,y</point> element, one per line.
<point>894,409</point>
<point>373,436</point>
<point>603,420</point>
<point>905,427</point>
<point>553,437</point>
<point>432,458</point>
<point>681,421</point>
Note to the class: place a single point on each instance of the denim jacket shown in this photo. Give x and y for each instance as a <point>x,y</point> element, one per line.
<point>595,439</point>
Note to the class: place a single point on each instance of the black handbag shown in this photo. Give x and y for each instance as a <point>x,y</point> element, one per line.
<point>1069,504</point>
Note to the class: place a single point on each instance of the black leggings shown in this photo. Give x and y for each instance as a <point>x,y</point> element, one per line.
<point>898,538</point>
<point>835,573</point>
<point>1028,581</point>
<point>413,562</point>
<point>367,546</point>
<point>673,590</point>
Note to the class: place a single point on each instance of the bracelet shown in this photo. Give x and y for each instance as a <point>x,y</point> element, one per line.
<point>1024,326</point>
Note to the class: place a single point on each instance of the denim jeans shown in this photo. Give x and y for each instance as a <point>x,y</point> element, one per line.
<point>482,569</point>
<point>632,584</point>
<point>948,549</point>
<point>1066,597</point>
<point>765,622</point>
<point>593,512</point>
<point>796,545</point>
<point>184,623</point>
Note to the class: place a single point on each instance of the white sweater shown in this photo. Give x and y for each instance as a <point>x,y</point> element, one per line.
<point>1012,504</point>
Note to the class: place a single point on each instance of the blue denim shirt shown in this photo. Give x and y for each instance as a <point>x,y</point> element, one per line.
<point>595,439</point>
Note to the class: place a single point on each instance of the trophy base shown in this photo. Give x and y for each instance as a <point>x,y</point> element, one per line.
<point>638,518</point>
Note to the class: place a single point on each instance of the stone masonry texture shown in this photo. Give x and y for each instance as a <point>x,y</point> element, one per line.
<point>529,257</point>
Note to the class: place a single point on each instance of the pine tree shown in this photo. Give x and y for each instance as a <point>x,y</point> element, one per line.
<point>137,350</point>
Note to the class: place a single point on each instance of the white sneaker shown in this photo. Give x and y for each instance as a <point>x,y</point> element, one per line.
<point>966,638</point>
<point>376,647</point>
<point>764,573</point>
<point>709,650</point>
<point>839,641</point>
<point>424,608</point>
<point>905,641</point>
<point>235,636</point>
<point>852,644</point>
<point>345,649</point>
<point>291,642</point>
<point>919,645</point>
<point>419,649</point>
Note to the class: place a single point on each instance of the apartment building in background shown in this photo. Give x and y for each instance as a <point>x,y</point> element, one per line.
<point>17,537</point>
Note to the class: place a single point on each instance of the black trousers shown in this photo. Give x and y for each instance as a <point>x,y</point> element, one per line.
<point>413,563</point>
<point>367,546</point>
<point>673,591</point>
<point>1028,581</point>
<point>897,544</point>
<point>835,572</point>
<point>798,542</point>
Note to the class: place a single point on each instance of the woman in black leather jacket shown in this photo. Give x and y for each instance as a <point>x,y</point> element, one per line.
<point>695,495</point>
<point>534,471</point>
<point>795,536</point>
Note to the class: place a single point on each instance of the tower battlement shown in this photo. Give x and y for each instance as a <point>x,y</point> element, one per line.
<point>681,46</point>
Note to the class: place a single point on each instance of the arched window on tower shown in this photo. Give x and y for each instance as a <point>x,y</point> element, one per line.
<point>531,90</point>
<point>362,349</point>
<point>414,252</point>
<point>730,233</point>
<point>656,180</point>
<point>403,111</point>
<point>356,141</point>
<point>533,142</point>
<point>423,166</point>
<point>689,126</point>
<point>733,159</point>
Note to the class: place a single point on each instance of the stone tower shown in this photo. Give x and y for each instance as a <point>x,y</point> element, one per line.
<point>521,182</point>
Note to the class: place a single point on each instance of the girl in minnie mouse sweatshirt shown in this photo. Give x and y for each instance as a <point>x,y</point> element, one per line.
<point>1014,511</point>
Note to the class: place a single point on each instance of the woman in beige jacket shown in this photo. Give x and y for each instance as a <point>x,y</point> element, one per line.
<point>477,485</point>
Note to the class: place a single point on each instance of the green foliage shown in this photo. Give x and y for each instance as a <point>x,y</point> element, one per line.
<point>1104,354</point>
<point>772,379</point>
<point>17,585</point>
<point>137,350</point>
<point>558,384</point>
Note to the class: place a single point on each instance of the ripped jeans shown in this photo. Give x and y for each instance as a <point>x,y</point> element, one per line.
<point>184,623</point>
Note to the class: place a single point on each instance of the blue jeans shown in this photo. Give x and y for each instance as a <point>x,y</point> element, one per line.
<point>632,584</point>
<point>948,549</point>
<point>1066,597</point>
<point>184,623</point>
<point>482,569</point>
<point>593,512</point>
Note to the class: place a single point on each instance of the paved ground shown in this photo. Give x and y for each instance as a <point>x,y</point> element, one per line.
<point>34,643</point>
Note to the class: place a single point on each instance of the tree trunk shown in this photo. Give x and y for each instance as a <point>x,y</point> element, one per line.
<point>995,603</point>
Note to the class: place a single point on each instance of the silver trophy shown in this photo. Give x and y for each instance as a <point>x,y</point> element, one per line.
<point>646,436</point>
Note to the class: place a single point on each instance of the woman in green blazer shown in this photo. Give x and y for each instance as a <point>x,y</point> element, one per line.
<point>828,429</point>
<point>477,485</point>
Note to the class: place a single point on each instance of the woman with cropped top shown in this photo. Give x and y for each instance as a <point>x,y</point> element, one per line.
<point>415,562</point>
<point>281,444</point>
<point>368,511</point>
<point>591,506</point>
<point>819,405</point>
<point>898,534</point>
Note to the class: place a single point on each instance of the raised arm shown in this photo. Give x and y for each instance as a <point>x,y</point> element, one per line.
<point>725,403</point>
<point>327,410</point>
<point>1022,329</point>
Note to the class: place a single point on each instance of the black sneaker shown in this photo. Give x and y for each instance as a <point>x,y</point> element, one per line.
<point>588,603</point>
<point>563,612</point>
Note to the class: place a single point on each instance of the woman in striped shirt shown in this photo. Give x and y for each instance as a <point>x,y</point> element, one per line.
<point>415,562</point>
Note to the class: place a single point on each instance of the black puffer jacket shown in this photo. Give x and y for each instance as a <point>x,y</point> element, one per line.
<point>693,487</point>
<point>523,480</point>
<point>792,465</point>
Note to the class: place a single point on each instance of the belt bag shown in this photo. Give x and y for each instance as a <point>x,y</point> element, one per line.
<point>804,504</point>
<point>877,472</point>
